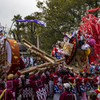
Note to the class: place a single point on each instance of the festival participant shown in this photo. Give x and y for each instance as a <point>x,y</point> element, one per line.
<point>57,84</point>
<point>12,84</point>
<point>46,82</point>
<point>39,88</point>
<point>27,90</point>
<point>98,92</point>
<point>92,95</point>
<point>67,95</point>
<point>97,80</point>
<point>17,75</point>
<point>5,94</point>
<point>72,83</point>
<point>64,76</point>
<point>31,60</point>
<point>88,82</point>
<point>81,86</point>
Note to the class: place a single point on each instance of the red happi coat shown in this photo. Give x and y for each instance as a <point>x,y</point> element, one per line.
<point>81,83</point>
<point>97,80</point>
<point>98,94</point>
<point>46,82</point>
<point>12,86</point>
<point>39,89</point>
<point>67,96</point>
<point>7,95</point>
<point>27,90</point>
<point>64,78</point>
<point>57,83</point>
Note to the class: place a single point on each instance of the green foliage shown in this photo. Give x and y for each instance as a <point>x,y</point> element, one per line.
<point>60,16</point>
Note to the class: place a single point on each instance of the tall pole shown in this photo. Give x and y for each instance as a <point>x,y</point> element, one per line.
<point>38,42</point>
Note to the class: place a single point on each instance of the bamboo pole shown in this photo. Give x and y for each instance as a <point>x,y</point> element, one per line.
<point>40,51</point>
<point>40,66</point>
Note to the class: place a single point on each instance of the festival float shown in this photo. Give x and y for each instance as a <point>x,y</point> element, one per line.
<point>79,49</point>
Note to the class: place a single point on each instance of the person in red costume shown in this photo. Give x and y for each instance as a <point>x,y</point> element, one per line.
<point>39,88</point>
<point>27,90</point>
<point>98,92</point>
<point>5,94</point>
<point>81,86</point>
<point>96,81</point>
<point>12,84</point>
<point>72,83</point>
<point>67,95</point>
<point>57,83</point>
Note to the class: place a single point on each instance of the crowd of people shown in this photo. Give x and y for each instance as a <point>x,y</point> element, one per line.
<point>55,82</point>
<point>30,62</point>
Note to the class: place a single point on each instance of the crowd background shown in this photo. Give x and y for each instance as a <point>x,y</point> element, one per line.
<point>58,83</point>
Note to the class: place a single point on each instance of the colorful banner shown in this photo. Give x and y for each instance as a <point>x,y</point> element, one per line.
<point>33,20</point>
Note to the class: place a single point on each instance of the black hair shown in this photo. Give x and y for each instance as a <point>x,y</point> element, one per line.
<point>67,89</point>
<point>36,77</point>
<point>72,75</point>
<point>64,72</point>
<point>2,84</point>
<point>58,73</point>
<point>81,74</point>
<point>26,75</point>
<point>92,95</point>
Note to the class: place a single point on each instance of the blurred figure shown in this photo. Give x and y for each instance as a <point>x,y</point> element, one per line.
<point>31,60</point>
<point>92,95</point>
<point>67,95</point>
<point>98,92</point>
<point>5,94</point>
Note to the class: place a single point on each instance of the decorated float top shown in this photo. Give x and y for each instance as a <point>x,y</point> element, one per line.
<point>87,39</point>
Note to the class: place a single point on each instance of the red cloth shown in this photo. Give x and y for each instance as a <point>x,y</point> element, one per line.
<point>93,10</point>
<point>27,90</point>
<point>89,28</point>
<point>91,58</point>
<point>57,80</point>
<point>82,80</point>
<point>22,64</point>
<point>64,78</point>
<point>32,77</point>
<point>7,95</point>
<point>96,80</point>
<point>98,94</point>
<point>46,82</point>
<point>12,86</point>
<point>18,73</point>
<point>67,96</point>
<point>71,79</point>
<point>39,89</point>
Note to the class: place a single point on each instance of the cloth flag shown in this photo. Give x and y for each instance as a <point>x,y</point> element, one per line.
<point>59,55</point>
<point>33,20</point>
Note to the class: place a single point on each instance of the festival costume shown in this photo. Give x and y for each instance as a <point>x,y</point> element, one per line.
<point>81,87</point>
<point>67,96</point>
<point>97,80</point>
<point>57,86</point>
<point>12,86</point>
<point>5,94</point>
<point>72,86</point>
<point>39,89</point>
<point>98,94</point>
<point>27,90</point>
<point>64,78</point>
<point>46,82</point>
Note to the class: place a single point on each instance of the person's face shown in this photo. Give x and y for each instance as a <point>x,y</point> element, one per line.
<point>84,75</point>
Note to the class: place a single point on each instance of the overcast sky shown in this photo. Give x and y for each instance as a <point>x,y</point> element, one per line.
<point>9,8</point>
